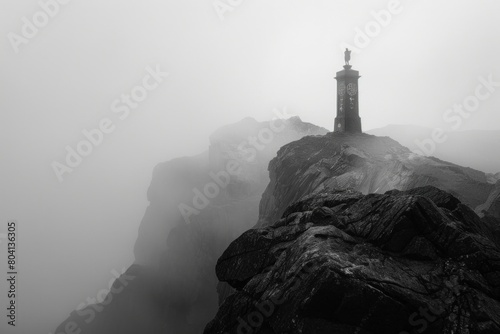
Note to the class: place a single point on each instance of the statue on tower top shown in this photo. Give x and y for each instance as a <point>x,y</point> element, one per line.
<point>347,54</point>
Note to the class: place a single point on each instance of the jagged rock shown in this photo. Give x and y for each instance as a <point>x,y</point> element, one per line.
<point>343,262</point>
<point>176,290</point>
<point>365,163</point>
<point>439,197</point>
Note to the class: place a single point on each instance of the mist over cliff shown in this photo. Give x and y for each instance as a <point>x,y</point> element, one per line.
<point>471,148</point>
<point>198,205</point>
<point>357,234</point>
<point>140,147</point>
<point>248,179</point>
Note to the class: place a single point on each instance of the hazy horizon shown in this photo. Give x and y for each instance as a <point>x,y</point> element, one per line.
<point>263,56</point>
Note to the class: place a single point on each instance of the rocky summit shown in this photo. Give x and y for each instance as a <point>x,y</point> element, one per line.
<point>358,235</point>
<point>365,163</point>
<point>281,227</point>
<point>338,261</point>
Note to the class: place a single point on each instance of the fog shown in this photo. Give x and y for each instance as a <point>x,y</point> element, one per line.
<point>263,55</point>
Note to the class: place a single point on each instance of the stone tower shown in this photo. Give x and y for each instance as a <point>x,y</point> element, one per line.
<point>347,119</point>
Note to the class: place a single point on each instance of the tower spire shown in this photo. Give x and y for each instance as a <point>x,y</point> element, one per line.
<point>347,119</point>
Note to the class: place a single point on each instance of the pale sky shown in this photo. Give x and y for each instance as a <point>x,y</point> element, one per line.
<point>266,54</point>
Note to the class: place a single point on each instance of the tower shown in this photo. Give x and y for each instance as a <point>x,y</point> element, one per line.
<point>347,119</point>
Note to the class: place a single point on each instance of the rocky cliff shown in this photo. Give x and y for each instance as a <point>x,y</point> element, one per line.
<point>181,189</point>
<point>386,252</point>
<point>343,262</point>
<point>198,205</point>
<point>365,163</point>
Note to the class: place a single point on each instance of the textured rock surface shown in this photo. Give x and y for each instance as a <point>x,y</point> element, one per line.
<point>365,163</point>
<point>176,291</point>
<point>177,286</point>
<point>343,262</point>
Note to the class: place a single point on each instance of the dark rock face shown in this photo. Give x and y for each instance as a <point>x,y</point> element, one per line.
<point>332,261</point>
<point>343,262</point>
<point>175,256</point>
<point>364,163</point>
